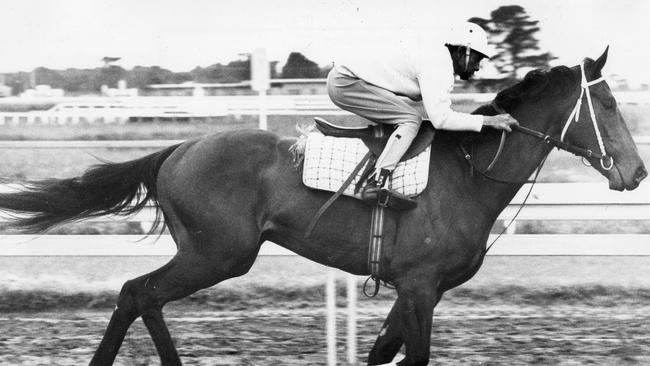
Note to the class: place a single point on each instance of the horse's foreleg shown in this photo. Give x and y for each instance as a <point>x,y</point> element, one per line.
<point>417,296</point>
<point>389,340</point>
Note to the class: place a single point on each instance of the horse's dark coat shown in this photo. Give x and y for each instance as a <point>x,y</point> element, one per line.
<point>224,195</point>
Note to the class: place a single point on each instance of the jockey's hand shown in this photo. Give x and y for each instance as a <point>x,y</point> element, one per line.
<point>500,122</point>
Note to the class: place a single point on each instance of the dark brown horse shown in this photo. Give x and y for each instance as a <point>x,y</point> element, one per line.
<point>222,196</point>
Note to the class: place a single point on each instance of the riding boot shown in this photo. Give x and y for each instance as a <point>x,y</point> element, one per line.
<point>376,192</point>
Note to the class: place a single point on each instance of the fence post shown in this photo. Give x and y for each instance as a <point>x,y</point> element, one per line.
<point>330,300</point>
<point>260,82</point>
<point>352,319</point>
<point>263,124</point>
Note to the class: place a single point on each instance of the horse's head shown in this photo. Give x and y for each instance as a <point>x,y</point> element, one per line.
<point>600,127</point>
<point>586,116</point>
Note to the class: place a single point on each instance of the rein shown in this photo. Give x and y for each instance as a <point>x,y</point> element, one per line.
<point>606,161</point>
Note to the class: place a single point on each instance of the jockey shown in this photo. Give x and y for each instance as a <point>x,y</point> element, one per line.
<point>421,67</point>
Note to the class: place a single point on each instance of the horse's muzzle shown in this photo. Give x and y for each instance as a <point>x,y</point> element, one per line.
<point>640,174</point>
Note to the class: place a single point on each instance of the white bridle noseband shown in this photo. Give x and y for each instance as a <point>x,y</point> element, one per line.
<point>575,116</point>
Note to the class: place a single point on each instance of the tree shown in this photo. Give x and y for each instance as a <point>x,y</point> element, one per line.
<point>234,71</point>
<point>298,67</point>
<point>80,81</point>
<point>237,71</point>
<point>513,33</point>
<point>140,77</point>
<point>110,75</point>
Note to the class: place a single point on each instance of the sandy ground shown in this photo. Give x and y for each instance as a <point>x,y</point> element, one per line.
<point>464,334</point>
<point>516,311</point>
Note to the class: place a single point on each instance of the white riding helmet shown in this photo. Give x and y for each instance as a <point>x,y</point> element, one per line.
<point>470,35</point>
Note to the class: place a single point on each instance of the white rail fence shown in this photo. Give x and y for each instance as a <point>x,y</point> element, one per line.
<point>121,110</point>
<point>548,201</point>
<point>553,202</point>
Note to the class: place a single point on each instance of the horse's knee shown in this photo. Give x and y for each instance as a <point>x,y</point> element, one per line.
<point>135,298</point>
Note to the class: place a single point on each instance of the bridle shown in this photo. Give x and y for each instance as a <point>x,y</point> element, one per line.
<point>575,115</point>
<point>606,161</point>
<point>549,140</point>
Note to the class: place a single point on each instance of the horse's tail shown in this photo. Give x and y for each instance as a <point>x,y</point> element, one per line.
<point>104,189</point>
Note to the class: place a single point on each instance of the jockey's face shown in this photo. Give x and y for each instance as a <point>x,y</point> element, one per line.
<point>466,65</point>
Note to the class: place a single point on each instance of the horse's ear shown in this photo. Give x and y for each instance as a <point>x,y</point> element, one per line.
<point>600,62</point>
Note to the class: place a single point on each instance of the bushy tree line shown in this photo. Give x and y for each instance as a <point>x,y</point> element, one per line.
<point>79,81</point>
<point>510,28</point>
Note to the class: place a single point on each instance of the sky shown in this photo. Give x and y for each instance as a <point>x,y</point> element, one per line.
<point>180,35</point>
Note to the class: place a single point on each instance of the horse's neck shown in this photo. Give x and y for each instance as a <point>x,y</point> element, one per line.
<point>520,158</point>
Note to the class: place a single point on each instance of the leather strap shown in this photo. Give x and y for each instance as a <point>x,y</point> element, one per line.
<point>375,249</point>
<point>376,239</point>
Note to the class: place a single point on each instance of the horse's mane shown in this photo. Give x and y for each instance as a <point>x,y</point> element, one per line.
<point>537,84</point>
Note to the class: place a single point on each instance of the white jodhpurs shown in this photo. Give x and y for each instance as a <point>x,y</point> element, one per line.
<point>378,105</point>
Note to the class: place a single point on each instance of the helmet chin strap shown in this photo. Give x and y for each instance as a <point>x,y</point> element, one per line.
<point>467,52</point>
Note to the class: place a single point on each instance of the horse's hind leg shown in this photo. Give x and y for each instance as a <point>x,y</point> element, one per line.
<point>198,264</point>
<point>128,308</point>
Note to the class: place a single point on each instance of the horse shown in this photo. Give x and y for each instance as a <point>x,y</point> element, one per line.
<point>223,195</point>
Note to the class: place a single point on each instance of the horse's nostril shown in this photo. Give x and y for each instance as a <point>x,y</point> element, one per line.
<point>641,174</point>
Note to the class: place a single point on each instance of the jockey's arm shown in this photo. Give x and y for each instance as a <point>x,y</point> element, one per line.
<point>437,104</point>
<point>436,100</point>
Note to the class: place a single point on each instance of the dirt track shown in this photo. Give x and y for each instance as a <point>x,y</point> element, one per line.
<point>463,335</point>
<point>517,311</point>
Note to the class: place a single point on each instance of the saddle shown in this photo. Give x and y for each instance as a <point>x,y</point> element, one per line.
<point>376,136</point>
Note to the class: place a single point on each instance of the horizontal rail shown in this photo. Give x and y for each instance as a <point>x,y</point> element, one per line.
<point>572,244</point>
<point>552,212</point>
<point>547,201</point>
<point>100,245</point>
<point>73,110</point>
<point>580,193</point>
<point>137,245</point>
<point>623,97</point>
<point>133,144</point>
<point>87,144</point>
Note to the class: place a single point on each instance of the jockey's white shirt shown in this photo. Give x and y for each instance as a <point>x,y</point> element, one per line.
<point>419,67</point>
